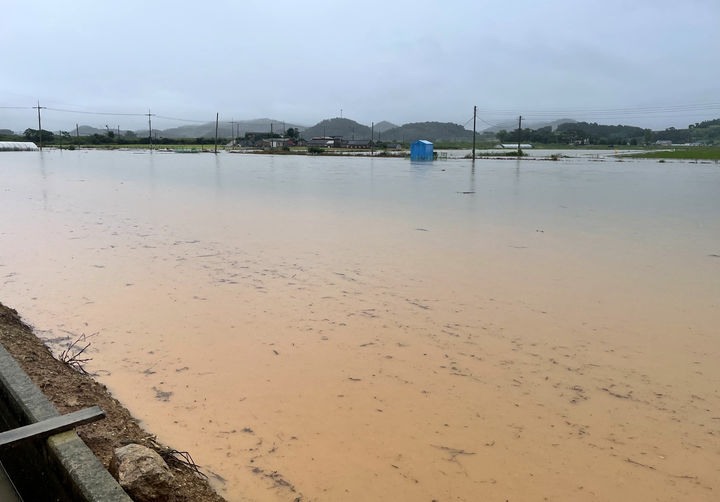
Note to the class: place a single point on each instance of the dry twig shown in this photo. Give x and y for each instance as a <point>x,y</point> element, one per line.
<point>179,459</point>
<point>72,355</point>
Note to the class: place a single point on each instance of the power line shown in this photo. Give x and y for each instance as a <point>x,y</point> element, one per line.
<point>626,112</point>
<point>97,113</point>
<point>488,123</point>
<point>116,114</point>
<point>633,108</point>
<point>182,120</point>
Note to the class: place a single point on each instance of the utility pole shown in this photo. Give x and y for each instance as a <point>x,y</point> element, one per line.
<point>77,131</point>
<point>217,118</point>
<point>474,120</point>
<point>372,138</point>
<point>39,124</point>
<point>519,131</point>
<point>232,128</point>
<point>149,128</point>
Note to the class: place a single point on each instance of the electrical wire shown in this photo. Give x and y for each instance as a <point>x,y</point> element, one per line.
<point>495,115</point>
<point>488,123</point>
<point>96,113</point>
<point>182,120</point>
<point>608,113</point>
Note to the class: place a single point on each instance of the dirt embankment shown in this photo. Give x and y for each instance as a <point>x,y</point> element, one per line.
<point>70,390</point>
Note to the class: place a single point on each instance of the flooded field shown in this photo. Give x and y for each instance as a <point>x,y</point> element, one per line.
<point>370,329</point>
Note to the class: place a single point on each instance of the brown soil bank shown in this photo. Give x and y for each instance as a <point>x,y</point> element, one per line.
<point>70,390</point>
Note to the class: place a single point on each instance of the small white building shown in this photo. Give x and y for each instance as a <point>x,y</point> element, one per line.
<point>275,142</point>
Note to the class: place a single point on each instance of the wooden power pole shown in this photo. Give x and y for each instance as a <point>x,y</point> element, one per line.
<point>372,138</point>
<point>39,124</point>
<point>519,131</point>
<point>149,128</point>
<point>474,120</point>
<point>217,118</point>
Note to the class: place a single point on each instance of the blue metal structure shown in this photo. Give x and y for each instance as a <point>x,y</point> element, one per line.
<point>421,150</point>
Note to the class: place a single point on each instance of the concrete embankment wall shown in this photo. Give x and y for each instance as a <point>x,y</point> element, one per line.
<point>61,463</point>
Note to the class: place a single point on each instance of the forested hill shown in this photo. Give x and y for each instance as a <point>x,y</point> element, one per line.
<point>603,133</point>
<point>383,126</point>
<point>348,129</point>
<point>225,128</point>
<point>431,131</point>
<point>579,132</point>
<point>707,132</point>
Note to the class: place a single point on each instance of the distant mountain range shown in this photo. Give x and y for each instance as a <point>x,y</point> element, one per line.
<point>346,128</point>
<point>386,131</point>
<point>225,128</point>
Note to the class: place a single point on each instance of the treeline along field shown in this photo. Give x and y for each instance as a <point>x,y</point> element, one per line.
<point>707,132</point>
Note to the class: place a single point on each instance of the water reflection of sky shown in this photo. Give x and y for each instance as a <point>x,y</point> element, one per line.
<point>172,256</point>
<point>636,197</point>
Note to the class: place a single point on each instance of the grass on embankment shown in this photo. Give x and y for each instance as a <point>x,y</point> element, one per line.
<point>683,153</point>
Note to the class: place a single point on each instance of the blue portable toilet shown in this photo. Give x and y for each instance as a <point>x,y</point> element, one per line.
<point>421,150</point>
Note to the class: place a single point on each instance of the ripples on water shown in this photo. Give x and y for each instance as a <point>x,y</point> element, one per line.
<point>372,329</point>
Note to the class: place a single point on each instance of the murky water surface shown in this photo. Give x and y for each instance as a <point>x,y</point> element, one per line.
<point>371,329</point>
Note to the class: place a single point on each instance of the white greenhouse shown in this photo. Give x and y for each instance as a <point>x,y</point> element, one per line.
<point>17,146</point>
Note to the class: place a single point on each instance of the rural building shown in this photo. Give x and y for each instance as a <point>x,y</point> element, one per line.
<point>359,143</point>
<point>324,142</point>
<point>421,150</point>
<point>276,142</point>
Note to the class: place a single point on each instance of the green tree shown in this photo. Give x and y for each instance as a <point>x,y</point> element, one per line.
<point>647,136</point>
<point>32,135</point>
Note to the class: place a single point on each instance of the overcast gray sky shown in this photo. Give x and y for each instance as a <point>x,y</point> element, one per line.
<point>652,63</point>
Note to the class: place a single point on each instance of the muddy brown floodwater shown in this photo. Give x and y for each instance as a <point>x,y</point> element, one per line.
<point>370,329</point>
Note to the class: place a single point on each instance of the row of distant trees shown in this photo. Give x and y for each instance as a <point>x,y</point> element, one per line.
<point>596,134</point>
<point>128,138</point>
<point>65,138</point>
<point>569,133</point>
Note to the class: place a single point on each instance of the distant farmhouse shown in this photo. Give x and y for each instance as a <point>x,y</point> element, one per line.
<point>326,142</point>
<point>276,142</point>
<point>358,143</point>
